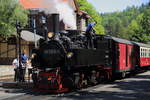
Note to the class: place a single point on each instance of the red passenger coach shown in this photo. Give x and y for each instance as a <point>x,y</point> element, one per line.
<point>143,54</point>
<point>125,56</point>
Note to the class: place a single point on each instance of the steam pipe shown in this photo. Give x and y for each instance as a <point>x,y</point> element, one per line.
<point>34,26</point>
<point>55,18</point>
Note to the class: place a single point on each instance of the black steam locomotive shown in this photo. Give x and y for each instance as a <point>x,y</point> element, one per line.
<point>67,60</point>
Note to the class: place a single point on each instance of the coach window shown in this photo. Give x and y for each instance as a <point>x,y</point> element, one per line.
<point>148,53</point>
<point>145,53</point>
<point>142,53</point>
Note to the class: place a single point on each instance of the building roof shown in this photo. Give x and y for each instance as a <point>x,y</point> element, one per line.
<point>33,4</point>
<point>84,14</point>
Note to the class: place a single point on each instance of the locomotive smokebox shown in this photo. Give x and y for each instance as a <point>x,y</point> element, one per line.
<point>55,20</point>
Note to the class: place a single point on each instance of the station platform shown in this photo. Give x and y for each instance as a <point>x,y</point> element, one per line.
<point>17,85</point>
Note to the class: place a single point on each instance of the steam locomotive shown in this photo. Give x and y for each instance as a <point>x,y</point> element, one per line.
<point>66,60</point>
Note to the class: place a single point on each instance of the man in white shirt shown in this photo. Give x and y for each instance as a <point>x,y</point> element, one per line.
<point>29,66</point>
<point>15,64</point>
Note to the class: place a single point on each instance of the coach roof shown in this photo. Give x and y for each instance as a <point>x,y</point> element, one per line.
<point>141,44</point>
<point>119,40</point>
<point>127,41</point>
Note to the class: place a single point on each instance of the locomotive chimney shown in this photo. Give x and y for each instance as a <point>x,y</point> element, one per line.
<point>55,20</point>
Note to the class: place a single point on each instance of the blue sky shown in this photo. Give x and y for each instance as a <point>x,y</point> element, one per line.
<point>115,5</point>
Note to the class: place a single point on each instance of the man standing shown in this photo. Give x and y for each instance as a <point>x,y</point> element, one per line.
<point>89,33</point>
<point>15,64</point>
<point>24,64</point>
<point>29,66</point>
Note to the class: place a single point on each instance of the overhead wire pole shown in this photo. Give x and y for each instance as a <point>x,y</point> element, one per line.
<point>18,27</point>
<point>34,26</point>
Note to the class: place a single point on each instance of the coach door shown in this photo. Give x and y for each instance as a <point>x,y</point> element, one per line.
<point>129,57</point>
<point>122,57</point>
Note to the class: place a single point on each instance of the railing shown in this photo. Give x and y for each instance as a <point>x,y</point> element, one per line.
<point>5,52</point>
<point>6,60</point>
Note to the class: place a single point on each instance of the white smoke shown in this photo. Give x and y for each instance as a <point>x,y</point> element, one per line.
<point>66,14</point>
<point>63,8</point>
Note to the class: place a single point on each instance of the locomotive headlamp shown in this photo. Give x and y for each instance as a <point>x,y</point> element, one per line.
<point>50,34</point>
<point>33,55</point>
<point>69,55</point>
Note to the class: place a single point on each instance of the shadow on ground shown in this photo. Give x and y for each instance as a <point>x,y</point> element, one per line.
<point>136,88</point>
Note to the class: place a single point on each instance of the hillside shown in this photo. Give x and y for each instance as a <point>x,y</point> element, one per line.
<point>133,23</point>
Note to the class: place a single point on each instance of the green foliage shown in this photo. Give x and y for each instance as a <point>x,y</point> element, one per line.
<point>10,11</point>
<point>142,31</point>
<point>145,22</point>
<point>133,23</point>
<point>86,6</point>
<point>133,28</point>
<point>119,21</point>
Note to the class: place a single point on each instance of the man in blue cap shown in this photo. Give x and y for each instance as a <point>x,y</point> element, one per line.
<point>89,32</point>
<point>90,27</point>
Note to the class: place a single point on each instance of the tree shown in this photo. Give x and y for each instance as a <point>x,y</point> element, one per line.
<point>139,29</point>
<point>10,11</point>
<point>134,29</point>
<point>86,6</point>
<point>145,22</point>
